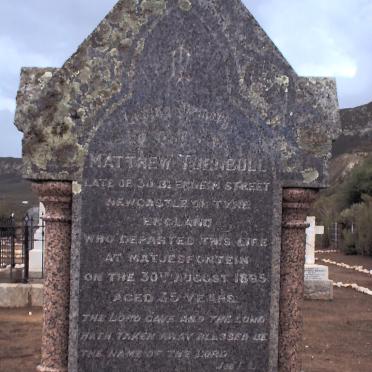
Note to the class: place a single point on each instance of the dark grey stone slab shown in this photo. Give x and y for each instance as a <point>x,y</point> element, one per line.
<point>179,243</point>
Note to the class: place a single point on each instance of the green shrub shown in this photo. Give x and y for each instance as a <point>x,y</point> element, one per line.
<point>348,244</point>
<point>358,183</point>
<point>350,204</point>
<point>357,231</point>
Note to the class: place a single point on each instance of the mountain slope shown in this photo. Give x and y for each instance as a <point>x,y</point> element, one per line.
<point>355,143</point>
<point>14,189</point>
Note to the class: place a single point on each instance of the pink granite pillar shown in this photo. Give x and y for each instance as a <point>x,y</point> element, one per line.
<point>296,203</point>
<point>56,196</point>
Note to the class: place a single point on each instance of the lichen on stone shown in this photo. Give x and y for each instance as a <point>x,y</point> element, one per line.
<point>154,6</point>
<point>185,5</point>
<point>310,175</point>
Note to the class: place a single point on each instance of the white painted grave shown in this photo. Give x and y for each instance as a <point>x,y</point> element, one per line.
<point>36,254</point>
<point>317,284</point>
<point>311,232</point>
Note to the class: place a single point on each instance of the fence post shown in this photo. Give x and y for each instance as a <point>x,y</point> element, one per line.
<point>12,246</point>
<point>12,256</point>
<point>26,256</point>
<point>336,235</point>
<point>1,251</point>
<point>42,246</point>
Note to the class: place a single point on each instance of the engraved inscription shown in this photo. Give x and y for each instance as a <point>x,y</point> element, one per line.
<point>176,265</point>
<point>181,63</point>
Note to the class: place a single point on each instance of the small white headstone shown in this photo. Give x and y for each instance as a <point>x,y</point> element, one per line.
<point>36,254</point>
<point>311,233</point>
<point>317,284</point>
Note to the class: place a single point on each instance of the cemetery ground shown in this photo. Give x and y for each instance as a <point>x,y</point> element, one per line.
<point>338,333</point>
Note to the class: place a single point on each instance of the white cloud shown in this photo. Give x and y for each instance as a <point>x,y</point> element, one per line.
<point>323,38</point>
<point>305,32</point>
<point>14,57</point>
<point>7,104</point>
<point>329,59</point>
<point>10,138</point>
<point>340,69</point>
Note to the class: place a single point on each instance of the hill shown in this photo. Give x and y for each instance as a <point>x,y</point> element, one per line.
<point>14,190</point>
<point>355,143</point>
<point>349,199</point>
<point>356,130</point>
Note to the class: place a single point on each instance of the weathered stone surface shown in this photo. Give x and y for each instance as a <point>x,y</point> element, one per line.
<point>319,290</point>
<point>58,116</point>
<point>181,176</point>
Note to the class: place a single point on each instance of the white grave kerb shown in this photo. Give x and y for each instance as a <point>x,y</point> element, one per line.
<point>311,232</point>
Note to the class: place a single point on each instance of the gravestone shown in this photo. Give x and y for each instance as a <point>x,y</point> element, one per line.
<point>311,232</point>
<point>174,243</point>
<point>317,283</point>
<point>179,124</point>
<point>36,254</point>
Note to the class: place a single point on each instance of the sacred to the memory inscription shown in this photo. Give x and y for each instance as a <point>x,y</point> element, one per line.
<point>177,244</point>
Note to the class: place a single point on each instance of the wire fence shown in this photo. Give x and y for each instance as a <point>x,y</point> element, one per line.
<point>332,237</point>
<point>19,241</point>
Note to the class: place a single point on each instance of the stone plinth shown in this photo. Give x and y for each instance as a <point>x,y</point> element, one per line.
<point>317,284</point>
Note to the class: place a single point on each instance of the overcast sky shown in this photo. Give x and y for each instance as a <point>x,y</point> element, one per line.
<point>318,37</point>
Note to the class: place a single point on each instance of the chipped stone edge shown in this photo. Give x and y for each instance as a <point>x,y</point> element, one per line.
<point>74,282</point>
<point>275,279</point>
